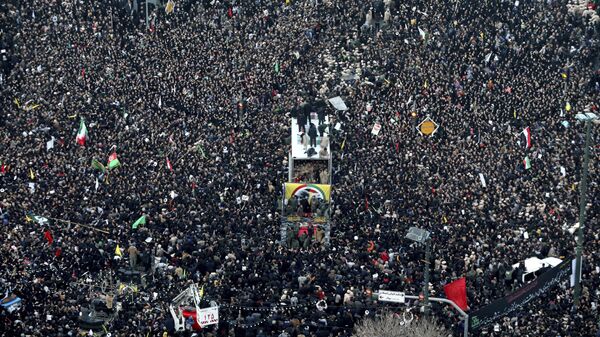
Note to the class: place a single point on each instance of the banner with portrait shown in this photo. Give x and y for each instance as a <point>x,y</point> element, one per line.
<point>301,191</point>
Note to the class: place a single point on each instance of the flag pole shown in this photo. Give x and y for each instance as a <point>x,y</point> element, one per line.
<point>147,26</point>
<point>79,224</point>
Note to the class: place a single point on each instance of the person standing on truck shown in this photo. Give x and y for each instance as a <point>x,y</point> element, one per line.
<point>312,133</point>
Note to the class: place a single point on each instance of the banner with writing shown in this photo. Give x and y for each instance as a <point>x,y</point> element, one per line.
<point>518,299</point>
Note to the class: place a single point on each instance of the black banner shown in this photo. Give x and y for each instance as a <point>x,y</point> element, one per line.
<point>521,297</point>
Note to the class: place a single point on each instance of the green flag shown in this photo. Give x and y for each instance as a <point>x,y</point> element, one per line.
<point>37,218</point>
<point>113,161</point>
<point>276,67</point>
<point>113,164</point>
<point>140,221</point>
<point>201,150</point>
<point>97,165</point>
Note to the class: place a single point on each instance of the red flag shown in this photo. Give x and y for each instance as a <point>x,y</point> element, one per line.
<point>366,203</point>
<point>457,292</point>
<point>57,252</point>
<point>48,236</point>
<point>169,164</point>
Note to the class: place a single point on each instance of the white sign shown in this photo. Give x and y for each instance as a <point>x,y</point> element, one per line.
<point>338,103</point>
<point>391,296</point>
<point>482,178</point>
<point>208,316</point>
<point>376,129</point>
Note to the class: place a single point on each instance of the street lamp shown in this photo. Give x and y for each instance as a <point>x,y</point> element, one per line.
<point>422,236</point>
<point>586,118</point>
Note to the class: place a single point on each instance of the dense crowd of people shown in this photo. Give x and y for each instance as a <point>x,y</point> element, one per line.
<point>197,107</point>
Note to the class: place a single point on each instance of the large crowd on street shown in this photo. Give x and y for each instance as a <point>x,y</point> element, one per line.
<point>197,106</point>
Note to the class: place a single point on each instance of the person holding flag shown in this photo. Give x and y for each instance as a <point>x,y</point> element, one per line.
<point>82,134</point>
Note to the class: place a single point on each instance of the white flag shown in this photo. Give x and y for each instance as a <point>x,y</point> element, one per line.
<point>482,178</point>
<point>160,102</point>
<point>488,57</point>
<point>50,144</point>
<point>97,184</point>
<point>422,33</point>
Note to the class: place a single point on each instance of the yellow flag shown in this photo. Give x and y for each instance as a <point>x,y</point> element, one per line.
<point>17,103</point>
<point>31,174</point>
<point>28,219</point>
<point>170,7</point>
<point>568,107</point>
<point>515,113</point>
<point>425,85</point>
<point>343,144</point>
<point>118,251</point>
<point>72,116</point>
<point>482,35</point>
<point>201,292</point>
<point>445,220</point>
<point>564,75</point>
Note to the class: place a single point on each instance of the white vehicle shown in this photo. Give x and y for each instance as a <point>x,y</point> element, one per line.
<point>533,265</point>
<point>188,301</point>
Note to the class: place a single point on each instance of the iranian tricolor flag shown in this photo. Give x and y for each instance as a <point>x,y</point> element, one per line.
<point>82,133</point>
<point>113,161</point>
<point>169,165</point>
<point>527,135</point>
<point>527,163</point>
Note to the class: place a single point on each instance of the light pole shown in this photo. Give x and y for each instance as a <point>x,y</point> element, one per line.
<point>147,26</point>
<point>464,315</point>
<point>587,118</point>
<point>422,236</point>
